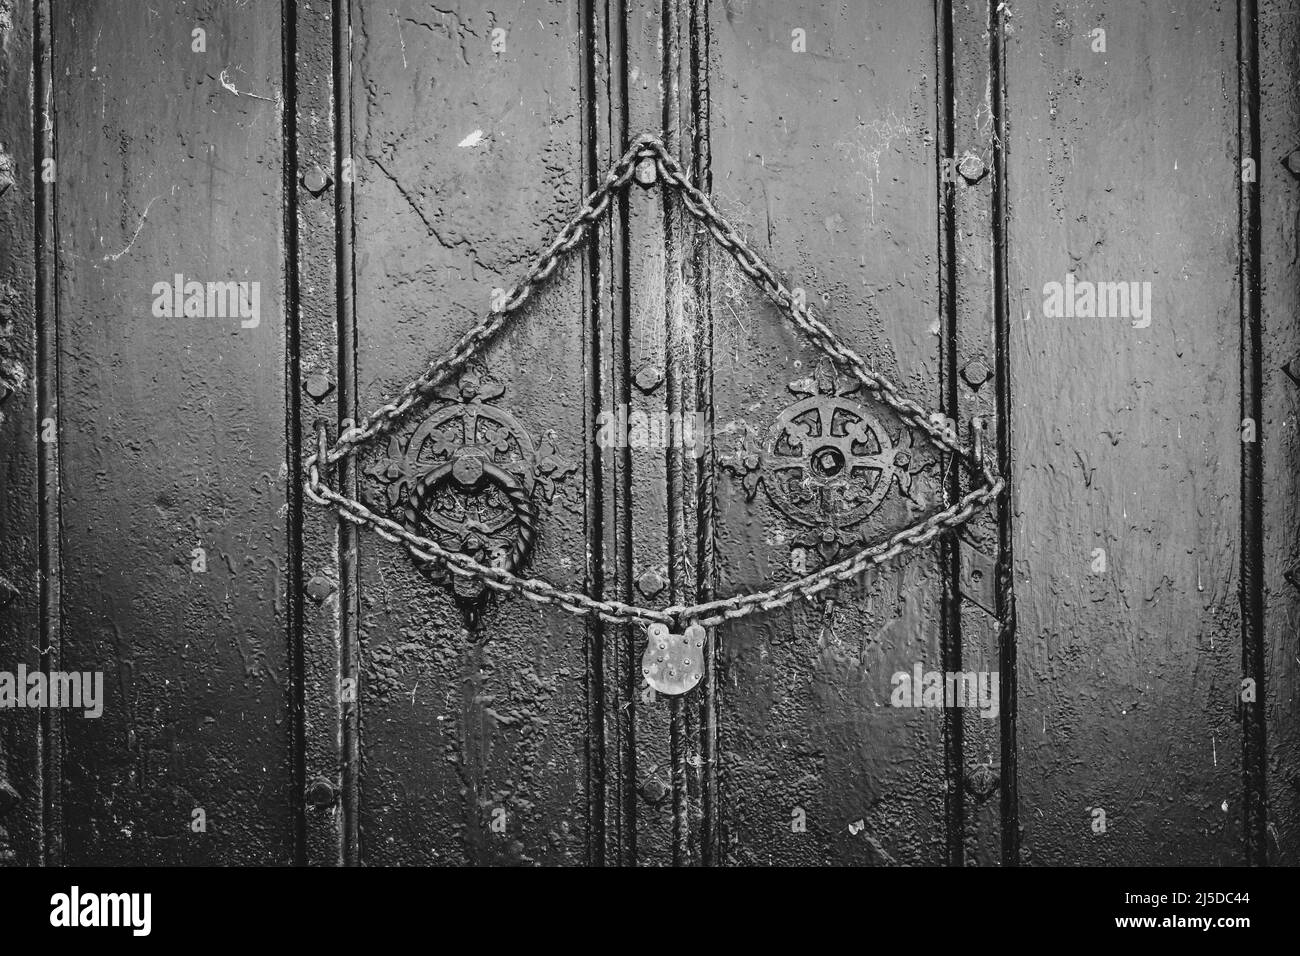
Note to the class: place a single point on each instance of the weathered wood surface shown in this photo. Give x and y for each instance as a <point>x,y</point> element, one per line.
<point>171,434</point>
<point>382,169</point>
<point>1279,192</point>
<point>469,161</point>
<point>24,317</point>
<point>1122,167</point>
<point>825,160</point>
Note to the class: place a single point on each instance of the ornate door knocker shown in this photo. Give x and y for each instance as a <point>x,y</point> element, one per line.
<point>468,477</point>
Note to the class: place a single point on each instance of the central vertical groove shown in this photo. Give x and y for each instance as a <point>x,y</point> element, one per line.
<point>674,379</point>
<point>593,382</point>
<point>1004,599</point>
<point>50,744</point>
<point>349,574</point>
<point>293,408</point>
<point>705,527</point>
<point>621,303</point>
<point>1252,474</point>
<point>949,554</point>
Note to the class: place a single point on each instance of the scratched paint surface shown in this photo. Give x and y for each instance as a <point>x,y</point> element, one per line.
<point>172,436</point>
<point>1126,438</point>
<point>20,538</point>
<point>468,159</point>
<point>825,161</point>
<point>1280,273</point>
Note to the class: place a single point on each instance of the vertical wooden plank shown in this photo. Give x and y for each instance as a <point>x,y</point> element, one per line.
<point>1124,169</point>
<point>966,156</point>
<point>172,432</point>
<point>24,316</point>
<point>1253,771</point>
<point>822,141</point>
<point>651,318</point>
<point>619,672</point>
<point>469,155</point>
<point>603,771</point>
<point>1278,173</point>
<point>648,376</point>
<point>315,178</point>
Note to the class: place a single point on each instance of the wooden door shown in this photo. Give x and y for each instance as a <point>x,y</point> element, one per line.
<point>1068,233</point>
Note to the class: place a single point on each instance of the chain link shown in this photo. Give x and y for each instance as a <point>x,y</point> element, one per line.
<point>573,235</point>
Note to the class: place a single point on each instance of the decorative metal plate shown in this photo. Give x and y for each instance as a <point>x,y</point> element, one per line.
<point>468,477</point>
<point>828,462</point>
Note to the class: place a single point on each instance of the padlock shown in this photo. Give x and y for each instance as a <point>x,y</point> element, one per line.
<point>673,663</point>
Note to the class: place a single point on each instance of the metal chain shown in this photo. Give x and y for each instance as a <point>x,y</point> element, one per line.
<point>698,204</point>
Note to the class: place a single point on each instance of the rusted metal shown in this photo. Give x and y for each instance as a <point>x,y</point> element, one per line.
<point>468,476</point>
<point>827,464</point>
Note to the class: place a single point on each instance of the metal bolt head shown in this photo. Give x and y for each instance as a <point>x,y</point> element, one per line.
<point>319,588</point>
<point>316,180</point>
<point>981,780</point>
<point>648,378</point>
<point>1292,162</point>
<point>320,794</point>
<point>972,168</point>
<point>650,583</point>
<point>318,385</point>
<point>976,373</point>
<point>467,470</point>
<point>653,791</point>
<point>646,172</point>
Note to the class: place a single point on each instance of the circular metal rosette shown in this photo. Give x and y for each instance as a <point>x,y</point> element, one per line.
<point>469,465</point>
<point>828,460</point>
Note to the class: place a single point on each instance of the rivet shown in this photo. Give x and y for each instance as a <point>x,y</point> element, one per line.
<point>972,168</point>
<point>976,372</point>
<point>981,780</point>
<point>648,378</point>
<point>650,583</point>
<point>467,470</point>
<point>653,791</point>
<point>319,588</point>
<point>318,385</point>
<point>316,180</point>
<point>320,794</point>
<point>1292,162</point>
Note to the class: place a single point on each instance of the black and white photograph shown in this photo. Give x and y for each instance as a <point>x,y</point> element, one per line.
<point>764,435</point>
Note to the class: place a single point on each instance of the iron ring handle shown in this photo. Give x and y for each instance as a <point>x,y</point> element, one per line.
<point>524,508</point>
